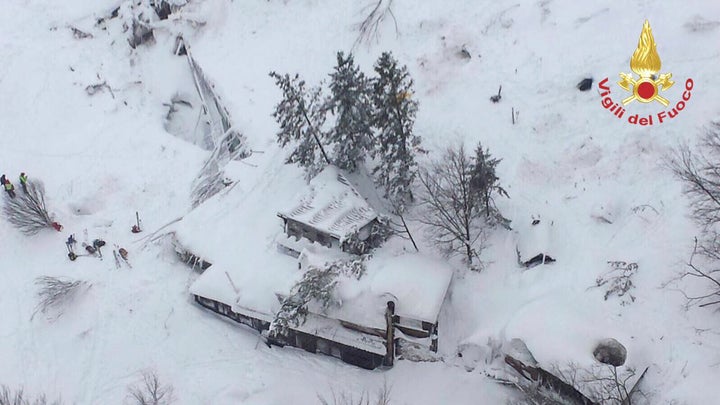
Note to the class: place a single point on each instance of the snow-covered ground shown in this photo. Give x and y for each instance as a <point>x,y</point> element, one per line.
<point>104,157</point>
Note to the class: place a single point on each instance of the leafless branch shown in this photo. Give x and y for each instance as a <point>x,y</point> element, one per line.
<point>370,26</point>
<point>27,211</point>
<point>710,294</point>
<point>56,293</point>
<point>700,173</point>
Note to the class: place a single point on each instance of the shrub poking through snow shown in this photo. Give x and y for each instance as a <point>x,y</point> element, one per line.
<point>347,398</point>
<point>27,211</point>
<point>150,391</point>
<point>56,293</point>
<point>18,397</point>
<point>618,281</point>
<point>603,384</point>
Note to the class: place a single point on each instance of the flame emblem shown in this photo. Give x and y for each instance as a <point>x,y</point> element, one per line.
<point>645,62</point>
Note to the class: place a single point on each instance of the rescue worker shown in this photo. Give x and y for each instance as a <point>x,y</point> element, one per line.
<point>23,182</point>
<point>97,244</point>
<point>9,188</point>
<point>71,243</point>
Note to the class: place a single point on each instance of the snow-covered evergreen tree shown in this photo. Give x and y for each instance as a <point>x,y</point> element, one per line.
<point>317,284</point>
<point>301,114</point>
<point>394,118</point>
<point>485,183</point>
<point>317,287</point>
<point>351,104</point>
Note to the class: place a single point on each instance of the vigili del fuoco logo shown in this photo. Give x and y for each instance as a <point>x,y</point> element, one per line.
<point>649,87</point>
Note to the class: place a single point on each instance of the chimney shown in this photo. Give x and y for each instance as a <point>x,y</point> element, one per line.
<point>390,334</point>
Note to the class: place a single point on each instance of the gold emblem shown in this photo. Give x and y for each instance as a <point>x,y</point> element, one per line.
<point>645,62</point>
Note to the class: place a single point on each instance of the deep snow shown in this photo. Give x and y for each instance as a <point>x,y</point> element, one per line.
<point>103,157</point>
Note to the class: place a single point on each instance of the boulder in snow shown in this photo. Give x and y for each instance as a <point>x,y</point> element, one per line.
<point>610,351</point>
<point>585,84</point>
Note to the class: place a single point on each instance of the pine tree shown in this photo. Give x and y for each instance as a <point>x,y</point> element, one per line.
<point>316,288</point>
<point>351,104</point>
<point>394,118</point>
<point>301,114</point>
<point>317,285</point>
<point>484,184</point>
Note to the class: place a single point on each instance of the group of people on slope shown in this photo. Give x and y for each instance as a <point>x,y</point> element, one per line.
<point>91,249</point>
<point>10,188</point>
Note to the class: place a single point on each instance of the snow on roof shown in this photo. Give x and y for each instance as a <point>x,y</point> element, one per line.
<point>416,283</point>
<point>215,285</point>
<point>331,329</point>
<point>236,232</point>
<point>331,205</point>
<point>535,239</point>
<point>253,286</point>
<point>314,255</point>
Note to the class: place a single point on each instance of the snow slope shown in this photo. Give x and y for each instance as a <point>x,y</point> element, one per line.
<point>105,156</point>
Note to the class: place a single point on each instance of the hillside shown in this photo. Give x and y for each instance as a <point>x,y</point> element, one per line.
<point>566,159</point>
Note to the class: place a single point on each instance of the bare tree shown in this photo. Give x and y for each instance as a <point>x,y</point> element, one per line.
<point>700,172</point>
<point>27,211</point>
<point>452,211</point>
<point>369,27</point>
<point>18,397</point>
<point>150,391</point>
<point>55,293</point>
